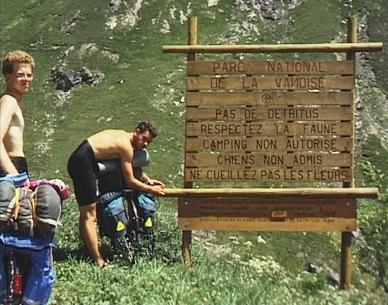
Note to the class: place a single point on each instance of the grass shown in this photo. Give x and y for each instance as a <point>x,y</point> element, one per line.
<point>229,268</point>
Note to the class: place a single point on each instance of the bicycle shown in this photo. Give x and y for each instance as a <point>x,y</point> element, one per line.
<point>15,278</point>
<point>141,227</point>
<point>29,218</point>
<point>27,274</point>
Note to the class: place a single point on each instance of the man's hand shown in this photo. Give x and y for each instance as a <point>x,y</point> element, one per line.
<point>158,190</point>
<point>155,182</point>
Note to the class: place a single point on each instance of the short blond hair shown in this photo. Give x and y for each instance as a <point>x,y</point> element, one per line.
<point>15,57</point>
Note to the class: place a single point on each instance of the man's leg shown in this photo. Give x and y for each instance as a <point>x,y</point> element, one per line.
<point>88,230</point>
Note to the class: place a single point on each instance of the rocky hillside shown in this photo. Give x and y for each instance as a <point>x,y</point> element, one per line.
<point>100,64</point>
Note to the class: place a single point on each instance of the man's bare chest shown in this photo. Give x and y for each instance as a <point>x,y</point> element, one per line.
<point>17,120</point>
<point>16,127</point>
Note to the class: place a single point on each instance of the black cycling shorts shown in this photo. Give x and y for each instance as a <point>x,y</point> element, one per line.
<point>82,168</point>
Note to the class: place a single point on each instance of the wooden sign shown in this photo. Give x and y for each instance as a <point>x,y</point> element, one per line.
<point>267,214</point>
<point>269,121</point>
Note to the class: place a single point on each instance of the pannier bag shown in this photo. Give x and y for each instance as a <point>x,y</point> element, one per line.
<point>47,210</point>
<point>7,202</point>
<point>28,212</point>
<point>113,220</point>
<point>146,204</point>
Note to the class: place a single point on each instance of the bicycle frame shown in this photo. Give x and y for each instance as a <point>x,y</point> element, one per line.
<point>135,228</point>
<point>16,277</point>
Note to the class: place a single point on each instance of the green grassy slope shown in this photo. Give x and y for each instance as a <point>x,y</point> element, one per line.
<point>144,83</point>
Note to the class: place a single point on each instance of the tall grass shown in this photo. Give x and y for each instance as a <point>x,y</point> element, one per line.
<point>226,271</point>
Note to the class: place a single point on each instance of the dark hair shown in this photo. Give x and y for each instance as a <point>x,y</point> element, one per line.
<point>144,126</point>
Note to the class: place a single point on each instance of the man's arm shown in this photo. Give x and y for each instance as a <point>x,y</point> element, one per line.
<point>126,155</point>
<point>151,181</point>
<point>8,106</point>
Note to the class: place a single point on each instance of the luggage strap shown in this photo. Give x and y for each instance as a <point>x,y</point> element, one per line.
<point>16,208</point>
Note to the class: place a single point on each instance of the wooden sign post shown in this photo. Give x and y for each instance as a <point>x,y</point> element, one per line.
<point>270,121</point>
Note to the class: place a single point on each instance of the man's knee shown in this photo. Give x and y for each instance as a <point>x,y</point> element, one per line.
<point>88,213</point>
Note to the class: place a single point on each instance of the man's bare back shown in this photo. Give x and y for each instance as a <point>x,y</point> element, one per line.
<point>109,144</point>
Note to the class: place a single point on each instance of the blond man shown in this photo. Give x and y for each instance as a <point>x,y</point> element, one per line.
<point>18,70</point>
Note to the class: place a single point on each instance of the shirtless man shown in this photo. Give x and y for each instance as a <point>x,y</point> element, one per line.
<point>82,167</point>
<point>18,70</point>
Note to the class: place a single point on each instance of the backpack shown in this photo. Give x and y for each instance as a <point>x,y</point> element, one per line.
<point>112,218</point>
<point>28,212</point>
<point>113,221</point>
<point>146,203</point>
<point>129,229</point>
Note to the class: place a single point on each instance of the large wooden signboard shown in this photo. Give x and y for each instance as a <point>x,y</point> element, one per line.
<point>277,121</point>
<point>269,121</point>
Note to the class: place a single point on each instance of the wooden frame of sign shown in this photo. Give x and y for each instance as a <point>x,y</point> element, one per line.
<point>270,121</point>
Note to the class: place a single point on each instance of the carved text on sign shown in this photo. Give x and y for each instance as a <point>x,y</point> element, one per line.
<point>274,213</point>
<point>295,67</point>
<point>203,159</point>
<point>231,129</point>
<point>269,121</point>
<point>228,67</point>
<point>298,82</point>
<point>275,143</point>
<point>250,174</point>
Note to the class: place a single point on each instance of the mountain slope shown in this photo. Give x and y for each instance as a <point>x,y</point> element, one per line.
<point>120,42</point>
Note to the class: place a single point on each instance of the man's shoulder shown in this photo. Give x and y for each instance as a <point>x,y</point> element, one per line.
<point>115,133</point>
<point>123,140</point>
<point>8,101</point>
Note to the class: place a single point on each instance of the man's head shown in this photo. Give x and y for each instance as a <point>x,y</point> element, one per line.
<point>16,57</point>
<point>18,69</point>
<point>144,133</point>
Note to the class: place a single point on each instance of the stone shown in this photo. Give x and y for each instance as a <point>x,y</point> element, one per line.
<point>65,80</point>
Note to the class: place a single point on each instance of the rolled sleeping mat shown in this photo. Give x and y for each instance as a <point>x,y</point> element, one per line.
<point>141,158</point>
